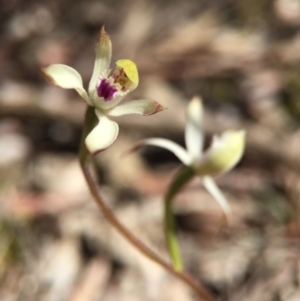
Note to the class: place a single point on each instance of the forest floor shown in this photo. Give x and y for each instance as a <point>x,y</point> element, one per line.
<point>243,58</point>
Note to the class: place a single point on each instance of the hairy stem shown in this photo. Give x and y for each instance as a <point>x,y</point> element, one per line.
<point>126,233</point>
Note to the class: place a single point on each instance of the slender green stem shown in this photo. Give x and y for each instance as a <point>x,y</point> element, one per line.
<point>126,233</point>
<point>183,176</point>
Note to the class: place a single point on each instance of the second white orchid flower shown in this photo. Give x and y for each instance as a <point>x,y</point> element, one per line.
<point>223,154</point>
<point>106,90</point>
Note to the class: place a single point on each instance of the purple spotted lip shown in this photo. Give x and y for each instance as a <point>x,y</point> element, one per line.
<point>106,90</point>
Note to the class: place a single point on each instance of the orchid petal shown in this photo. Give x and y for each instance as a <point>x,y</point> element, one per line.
<point>65,77</point>
<point>193,131</point>
<point>102,62</point>
<point>102,136</point>
<point>106,105</point>
<point>173,147</point>
<point>223,155</point>
<point>140,107</point>
<point>211,186</point>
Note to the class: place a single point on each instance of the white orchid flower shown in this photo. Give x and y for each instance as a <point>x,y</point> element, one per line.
<point>106,90</point>
<point>223,154</point>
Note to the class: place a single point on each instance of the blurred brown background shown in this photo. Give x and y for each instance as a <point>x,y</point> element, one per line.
<point>242,57</point>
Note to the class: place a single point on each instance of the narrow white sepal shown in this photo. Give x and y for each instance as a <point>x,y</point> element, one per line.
<point>173,147</point>
<point>140,107</point>
<point>193,131</point>
<point>65,77</point>
<point>211,186</point>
